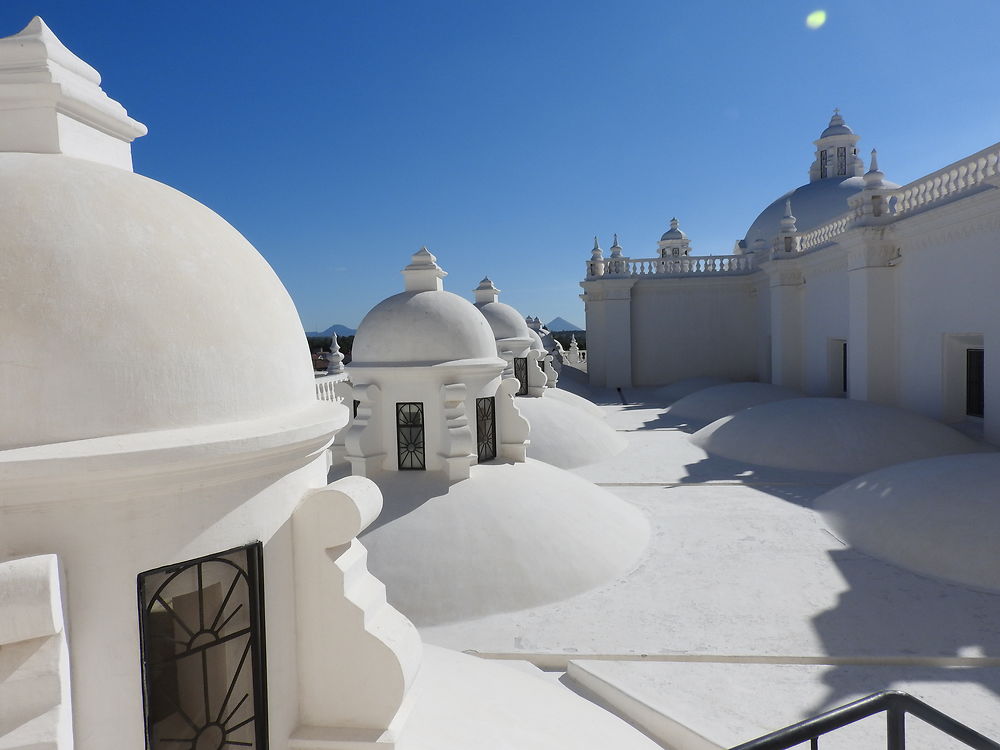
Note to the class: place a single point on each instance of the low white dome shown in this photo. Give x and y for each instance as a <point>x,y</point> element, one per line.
<point>565,435</point>
<point>938,516</point>
<point>830,435</point>
<point>536,341</point>
<point>504,321</point>
<point>710,404</point>
<point>681,388</point>
<point>512,536</point>
<point>813,204</point>
<point>129,307</point>
<point>422,327</point>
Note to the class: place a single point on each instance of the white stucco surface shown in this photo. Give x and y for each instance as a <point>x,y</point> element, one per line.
<point>461,702</point>
<point>565,435</point>
<point>512,536</point>
<point>423,326</point>
<point>568,397</point>
<point>938,516</point>
<point>680,702</point>
<point>681,388</point>
<point>825,434</point>
<point>710,404</point>
<point>152,297</point>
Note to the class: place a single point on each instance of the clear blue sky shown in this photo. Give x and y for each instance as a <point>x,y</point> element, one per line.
<point>339,137</point>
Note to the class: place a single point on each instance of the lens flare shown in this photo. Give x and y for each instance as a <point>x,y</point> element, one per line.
<point>816,19</point>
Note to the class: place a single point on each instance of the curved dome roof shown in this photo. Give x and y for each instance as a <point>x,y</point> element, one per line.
<point>813,204</point>
<point>710,404</point>
<point>422,327</point>
<point>511,536</point>
<point>505,321</point>
<point>567,435</point>
<point>830,435</point>
<point>674,233</point>
<point>938,516</point>
<point>536,341</point>
<point>129,307</point>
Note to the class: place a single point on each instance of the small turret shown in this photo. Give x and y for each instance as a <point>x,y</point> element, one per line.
<point>836,152</point>
<point>486,292</point>
<point>674,243</point>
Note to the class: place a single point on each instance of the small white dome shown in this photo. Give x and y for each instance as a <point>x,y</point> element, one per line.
<point>504,320</point>
<point>938,516</point>
<point>422,327</point>
<point>674,233</point>
<point>129,307</point>
<point>536,341</point>
<point>565,435</point>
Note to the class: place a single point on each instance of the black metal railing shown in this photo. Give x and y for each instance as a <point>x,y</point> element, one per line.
<point>896,705</point>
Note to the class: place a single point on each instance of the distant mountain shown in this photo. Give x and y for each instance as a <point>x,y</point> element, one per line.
<point>337,328</point>
<point>561,324</point>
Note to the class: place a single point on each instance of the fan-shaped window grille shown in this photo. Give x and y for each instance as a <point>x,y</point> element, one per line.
<point>202,641</point>
<point>486,428</point>
<point>410,435</point>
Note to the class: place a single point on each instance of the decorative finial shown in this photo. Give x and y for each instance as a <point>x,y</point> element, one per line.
<point>874,177</point>
<point>423,274</point>
<point>674,223</point>
<point>836,110</point>
<point>874,167</point>
<point>335,360</point>
<point>788,220</point>
<point>615,243</point>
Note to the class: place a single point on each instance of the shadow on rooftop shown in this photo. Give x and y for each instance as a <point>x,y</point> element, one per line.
<point>888,611</point>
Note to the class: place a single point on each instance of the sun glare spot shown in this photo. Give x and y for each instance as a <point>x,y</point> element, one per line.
<point>816,19</point>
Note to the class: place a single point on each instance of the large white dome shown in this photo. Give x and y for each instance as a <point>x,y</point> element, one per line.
<point>813,204</point>
<point>129,307</point>
<point>422,327</point>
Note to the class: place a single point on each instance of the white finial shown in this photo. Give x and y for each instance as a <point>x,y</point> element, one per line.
<point>423,274</point>
<point>486,292</point>
<point>616,249</point>
<point>596,253</point>
<point>788,220</point>
<point>45,85</point>
<point>335,359</point>
<point>874,178</point>
<point>674,223</point>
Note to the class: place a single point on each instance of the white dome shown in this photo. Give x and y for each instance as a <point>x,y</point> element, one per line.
<point>710,404</point>
<point>129,307</point>
<point>829,435</point>
<point>536,341</point>
<point>939,516</point>
<point>504,320</point>
<point>422,327</point>
<point>813,204</point>
<point>511,536</point>
<point>567,435</point>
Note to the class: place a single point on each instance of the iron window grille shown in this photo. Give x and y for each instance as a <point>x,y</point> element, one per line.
<point>410,436</point>
<point>202,646</point>
<point>486,428</point>
<point>975,383</point>
<point>521,373</point>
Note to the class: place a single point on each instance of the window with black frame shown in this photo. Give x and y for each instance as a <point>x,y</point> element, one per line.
<point>521,373</point>
<point>486,428</point>
<point>202,645</point>
<point>975,382</point>
<point>410,436</point>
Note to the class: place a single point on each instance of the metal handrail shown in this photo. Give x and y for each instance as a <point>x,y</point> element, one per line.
<point>895,703</point>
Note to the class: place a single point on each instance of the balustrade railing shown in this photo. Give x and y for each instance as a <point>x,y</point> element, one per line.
<point>825,232</point>
<point>947,182</point>
<point>695,265</point>
<point>324,387</point>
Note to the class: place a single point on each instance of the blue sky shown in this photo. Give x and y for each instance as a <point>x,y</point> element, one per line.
<point>340,137</point>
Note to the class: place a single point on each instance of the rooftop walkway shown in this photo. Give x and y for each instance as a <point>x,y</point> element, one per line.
<point>745,613</point>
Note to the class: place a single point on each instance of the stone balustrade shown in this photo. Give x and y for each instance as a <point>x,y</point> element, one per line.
<point>694,265</point>
<point>325,387</point>
<point>825,233</point>
<point>947,182</point>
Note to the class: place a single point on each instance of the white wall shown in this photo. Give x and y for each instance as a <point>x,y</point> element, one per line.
<point>825,317</point>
